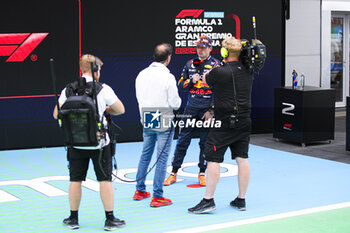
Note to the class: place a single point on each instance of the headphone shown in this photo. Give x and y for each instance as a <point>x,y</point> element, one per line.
<point>96,66</point>
<point>224,52</point>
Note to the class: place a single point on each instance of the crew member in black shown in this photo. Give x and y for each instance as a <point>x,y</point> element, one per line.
<point>198,107</point>
<point>232,85</point>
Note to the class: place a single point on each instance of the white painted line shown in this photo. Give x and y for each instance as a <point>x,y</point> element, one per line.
<point>263,219</point>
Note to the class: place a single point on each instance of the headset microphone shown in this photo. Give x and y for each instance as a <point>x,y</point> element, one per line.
<point>95,67</point>
<point>224,52</point>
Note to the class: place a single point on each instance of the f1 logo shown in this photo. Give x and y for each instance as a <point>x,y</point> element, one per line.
<point>190,13</point>
<point>18,46</point>
<point>287,110</point>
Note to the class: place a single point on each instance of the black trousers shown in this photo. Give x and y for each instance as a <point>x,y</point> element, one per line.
<point>185,138</point>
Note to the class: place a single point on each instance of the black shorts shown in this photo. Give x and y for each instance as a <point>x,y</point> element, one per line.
<point>220,139</point>
<point>79,163</point>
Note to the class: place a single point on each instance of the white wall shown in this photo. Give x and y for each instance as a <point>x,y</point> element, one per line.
<point>303,41</point>
<point>328,7</point>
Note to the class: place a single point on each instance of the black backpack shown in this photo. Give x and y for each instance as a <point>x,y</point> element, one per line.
<point>79,117</point>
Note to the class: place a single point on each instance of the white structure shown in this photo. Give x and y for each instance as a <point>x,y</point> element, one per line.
<point>317,44</point>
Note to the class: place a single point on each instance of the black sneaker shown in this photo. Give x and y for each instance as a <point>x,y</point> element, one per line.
<point>71,223</point>
<point>203,207</point>
<point>238,203</point>
<point>111,225</point>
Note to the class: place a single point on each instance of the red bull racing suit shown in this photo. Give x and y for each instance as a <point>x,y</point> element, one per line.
<point>200,100</point>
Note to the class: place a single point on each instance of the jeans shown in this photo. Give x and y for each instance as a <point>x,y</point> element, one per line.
<point>163,149</point>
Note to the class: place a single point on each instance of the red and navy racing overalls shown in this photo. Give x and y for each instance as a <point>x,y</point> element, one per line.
<point>200,100</point>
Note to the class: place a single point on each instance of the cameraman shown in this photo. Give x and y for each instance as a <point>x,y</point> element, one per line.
<point>79,157</point>
<point>233,109</point>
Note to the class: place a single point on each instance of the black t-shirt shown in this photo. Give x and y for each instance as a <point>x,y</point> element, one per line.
<point>221,80</point>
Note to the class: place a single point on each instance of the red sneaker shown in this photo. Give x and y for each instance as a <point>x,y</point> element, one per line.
<point>158,202</point>
<point>138,196</point>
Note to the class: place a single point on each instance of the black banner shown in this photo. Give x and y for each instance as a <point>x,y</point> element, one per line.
<point>123,35</point>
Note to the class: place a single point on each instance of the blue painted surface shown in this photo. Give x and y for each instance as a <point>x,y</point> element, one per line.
<point>280,182</point>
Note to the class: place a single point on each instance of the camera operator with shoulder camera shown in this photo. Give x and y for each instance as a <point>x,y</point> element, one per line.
<point>232,85</point>
<point>101,155</point>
